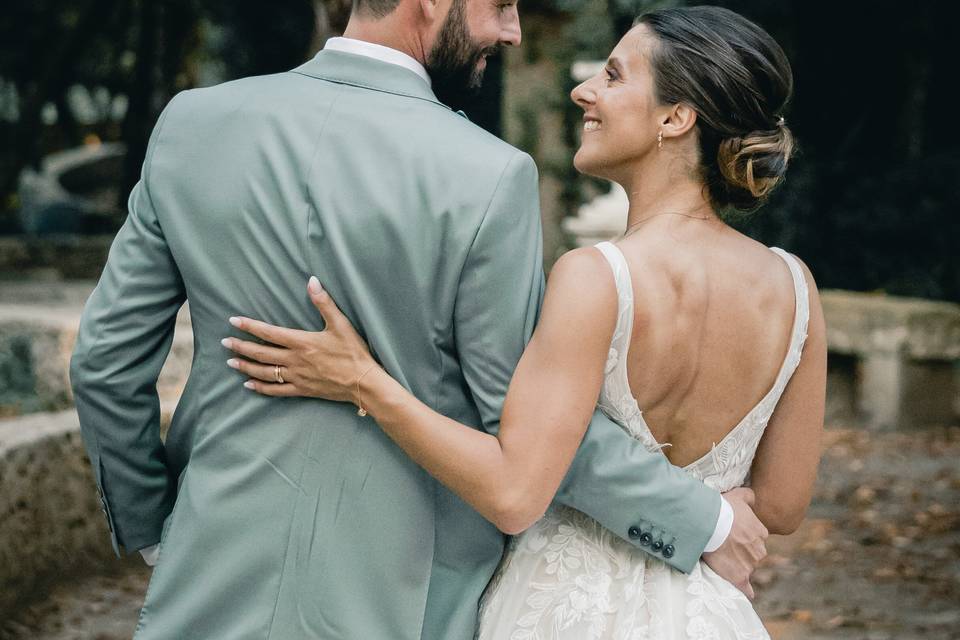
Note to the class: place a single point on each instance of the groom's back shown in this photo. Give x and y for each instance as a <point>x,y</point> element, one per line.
<point>379,191</point>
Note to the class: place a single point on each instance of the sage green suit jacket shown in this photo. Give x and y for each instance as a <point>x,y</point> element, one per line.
<point>289,518</point>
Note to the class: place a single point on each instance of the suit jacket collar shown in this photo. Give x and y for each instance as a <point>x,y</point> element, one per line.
<point>368,73</point>
<point>379,52</point>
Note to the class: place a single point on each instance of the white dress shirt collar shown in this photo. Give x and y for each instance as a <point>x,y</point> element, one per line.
<point>378,52</point>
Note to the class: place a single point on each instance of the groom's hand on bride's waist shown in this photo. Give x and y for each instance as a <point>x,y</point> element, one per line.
<point>737,558</point>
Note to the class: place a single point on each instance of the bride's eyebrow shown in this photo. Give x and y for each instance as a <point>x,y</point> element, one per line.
<point>616,64</point>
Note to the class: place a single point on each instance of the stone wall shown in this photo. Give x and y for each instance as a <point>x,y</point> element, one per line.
<point>50,519</point>
<point>51,524</point>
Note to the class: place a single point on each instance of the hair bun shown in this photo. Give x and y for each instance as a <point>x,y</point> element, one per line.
<point>738,80</point>
<point>755,163</point>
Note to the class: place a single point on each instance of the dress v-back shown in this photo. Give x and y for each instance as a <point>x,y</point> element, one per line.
<point>569,578</point>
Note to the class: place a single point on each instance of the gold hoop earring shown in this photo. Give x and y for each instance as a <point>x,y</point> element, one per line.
<point>660,140</point>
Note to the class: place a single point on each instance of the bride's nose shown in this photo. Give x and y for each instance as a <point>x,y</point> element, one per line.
<point>583,95</point>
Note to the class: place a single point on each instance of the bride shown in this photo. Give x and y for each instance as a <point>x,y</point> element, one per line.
<point>697,340</point>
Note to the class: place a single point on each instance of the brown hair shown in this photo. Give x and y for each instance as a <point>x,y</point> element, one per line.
<point>375,8</point>
<point>738,80</point>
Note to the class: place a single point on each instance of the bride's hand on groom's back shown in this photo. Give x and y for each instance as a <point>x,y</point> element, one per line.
<point>737,558</point>
<point>319,364</point>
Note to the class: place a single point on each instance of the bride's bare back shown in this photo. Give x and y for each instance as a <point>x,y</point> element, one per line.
<point>713,314</point>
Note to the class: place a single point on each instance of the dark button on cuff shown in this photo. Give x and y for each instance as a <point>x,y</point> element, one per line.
<point>634,532</point>
<point>646,538</point>
<point>668,551</point>
<point>656,546</point>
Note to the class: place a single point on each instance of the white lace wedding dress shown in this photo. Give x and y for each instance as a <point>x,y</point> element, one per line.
<point>568,578</point>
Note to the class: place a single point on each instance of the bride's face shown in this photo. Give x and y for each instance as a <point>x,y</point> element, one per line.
<point>620,123</point>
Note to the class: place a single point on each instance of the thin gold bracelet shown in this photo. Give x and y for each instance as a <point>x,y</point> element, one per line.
<point>360,410</point>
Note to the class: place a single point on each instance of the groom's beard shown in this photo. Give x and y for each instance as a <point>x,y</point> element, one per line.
<point>453,63</point>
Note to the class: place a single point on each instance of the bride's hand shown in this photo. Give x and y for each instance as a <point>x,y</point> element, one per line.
<point>320,364</point>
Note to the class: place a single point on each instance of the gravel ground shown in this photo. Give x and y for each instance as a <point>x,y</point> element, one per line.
<point>878,557</point>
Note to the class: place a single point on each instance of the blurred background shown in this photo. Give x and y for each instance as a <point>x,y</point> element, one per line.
<point>870,203</point>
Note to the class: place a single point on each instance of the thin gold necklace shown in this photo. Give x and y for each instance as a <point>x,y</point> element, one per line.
<point>629,229</point>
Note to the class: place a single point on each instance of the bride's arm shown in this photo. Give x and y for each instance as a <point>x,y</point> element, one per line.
<point>512,477</point>
<point>509,478</point>
<point>785,466</point>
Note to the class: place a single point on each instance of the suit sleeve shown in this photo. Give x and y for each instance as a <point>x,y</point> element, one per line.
<point>125,334</point>
<point>636,494</point>
<point>501,288</point>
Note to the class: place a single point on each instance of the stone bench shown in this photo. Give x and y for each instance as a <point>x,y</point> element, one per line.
<point>38,328</point>
<point>893,361</point>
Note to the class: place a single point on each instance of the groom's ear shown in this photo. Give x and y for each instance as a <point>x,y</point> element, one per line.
<point>678,120</point>
<point>433,10</point>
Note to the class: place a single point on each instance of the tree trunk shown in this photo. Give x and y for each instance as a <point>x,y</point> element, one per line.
<point>139,120</point>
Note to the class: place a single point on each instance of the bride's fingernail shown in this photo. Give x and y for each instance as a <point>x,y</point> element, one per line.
<point>314,285</point>
<point>249,384</point>
<point>235,321</point>
<point>233,363</point>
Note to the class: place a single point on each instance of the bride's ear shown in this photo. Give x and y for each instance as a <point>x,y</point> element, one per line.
<point>678,120</point>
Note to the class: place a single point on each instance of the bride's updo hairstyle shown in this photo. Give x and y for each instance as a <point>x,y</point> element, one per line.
<point>738,80</point>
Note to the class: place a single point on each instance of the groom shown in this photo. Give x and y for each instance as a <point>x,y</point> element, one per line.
<point>296,518</point>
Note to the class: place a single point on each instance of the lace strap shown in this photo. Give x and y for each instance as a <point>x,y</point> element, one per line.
<point>801,316</point>
<point>624,284</point>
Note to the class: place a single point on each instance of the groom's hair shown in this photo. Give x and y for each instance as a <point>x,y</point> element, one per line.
<point>374,8</point>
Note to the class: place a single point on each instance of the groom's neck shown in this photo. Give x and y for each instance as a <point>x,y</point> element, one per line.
<point>396,31</point>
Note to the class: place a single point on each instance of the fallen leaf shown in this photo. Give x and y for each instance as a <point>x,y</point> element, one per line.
<point>802,615</point>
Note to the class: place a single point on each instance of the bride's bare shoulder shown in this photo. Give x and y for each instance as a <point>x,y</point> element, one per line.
<point>581,267</point>
<point>582,277</point>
